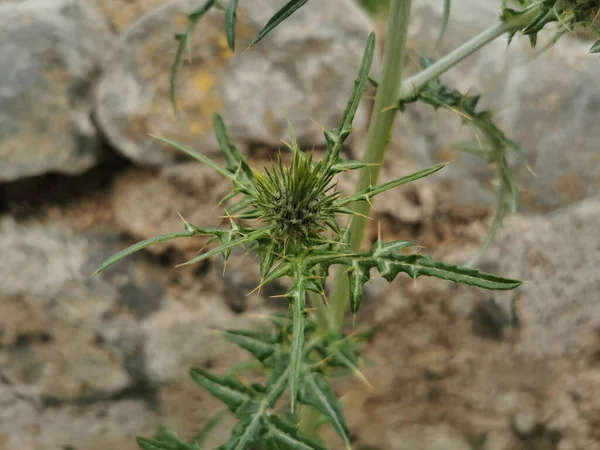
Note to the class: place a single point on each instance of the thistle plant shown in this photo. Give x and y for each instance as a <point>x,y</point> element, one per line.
<point>298,233</point>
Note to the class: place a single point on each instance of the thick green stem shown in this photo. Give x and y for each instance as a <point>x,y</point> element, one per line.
<point>389,91</point>
<point>378,137</point>
<point>411,86</point>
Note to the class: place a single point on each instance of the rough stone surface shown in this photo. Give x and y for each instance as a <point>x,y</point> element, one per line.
<point>254,91</point>
<point>54,317</point>
<point>439,437</point>
<point>147,204</point>
<point>559,110</point>
<point>51,53</point>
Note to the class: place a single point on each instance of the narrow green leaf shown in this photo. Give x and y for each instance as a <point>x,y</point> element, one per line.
<point>596,47</point>
<point>370,192</point>
<point>286,11</point>
<point>246,433</point>
<point>297,298</point>
<point>315,391</point>
<point>140,246</point>
<point>252,236</point>
<point>358,276</point>
<point>360,85</point>
<point>445,20</point>
<point>230,23</point>
<point>198,156</point>
<point>227,389</point>
<point>164,440</point>
<point>346,166</point>
<point>184,42</point>
<point>235,160</point>
<point>287,436</point>
<point>417,265</point>
<point>260,344</point>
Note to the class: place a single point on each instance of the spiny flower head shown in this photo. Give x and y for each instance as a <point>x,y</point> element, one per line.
<point>298,200</point>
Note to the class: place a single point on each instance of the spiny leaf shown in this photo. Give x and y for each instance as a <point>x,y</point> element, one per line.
<point>246,433</point>
<point>198,156</point>
<point>360,85</point>
<point>286,11</point>
<point>227,389</point>
<point>235,160</point>
<point>184,42</point>
<point>370,192</point>
<point>252,236</point>
<point>230,23</point>
<point>142,245</point>
<point>287,436</point>
<point>260,344</point>
<point>336,138</point>
<point>315,391</point>
<point>164,440</point>
<point>389,263</point>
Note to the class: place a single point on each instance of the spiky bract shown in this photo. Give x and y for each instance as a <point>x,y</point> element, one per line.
<point>298,200</point>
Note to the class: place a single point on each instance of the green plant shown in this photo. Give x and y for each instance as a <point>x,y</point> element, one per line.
<point>299,236</point>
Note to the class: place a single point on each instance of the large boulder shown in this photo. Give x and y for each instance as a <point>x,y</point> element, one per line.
<point>304,70</point>
<point>51,53</point>
<point>516,369</point>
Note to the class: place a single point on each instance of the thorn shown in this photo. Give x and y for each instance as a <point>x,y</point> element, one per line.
<point>253,290</point>
<point>318,124</point>
<point>358,374</point>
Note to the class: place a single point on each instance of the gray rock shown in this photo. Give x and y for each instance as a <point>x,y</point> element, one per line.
<point>146,204</point>
<point>430,437</point>
<point>557,307</point>
<point>51,52</point>
<point>315,52</point>
<point>547,104</point>
<point>67,336</point>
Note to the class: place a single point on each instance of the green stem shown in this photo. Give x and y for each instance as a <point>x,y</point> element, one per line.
<point>410,87</point>
<point>378,136</point>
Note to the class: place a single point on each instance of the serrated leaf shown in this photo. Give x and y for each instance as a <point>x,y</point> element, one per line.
<point>227,389</point>
<point>288,436</point>
<point>260,344</point>
<point>246,433</point>
<point>315,391</point>
<point>286,11</point>
<point>370,192</point>
<point>184,42</point>
<point>230,23</point>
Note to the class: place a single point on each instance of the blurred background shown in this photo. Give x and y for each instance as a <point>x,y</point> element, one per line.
<point>88,363</point>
